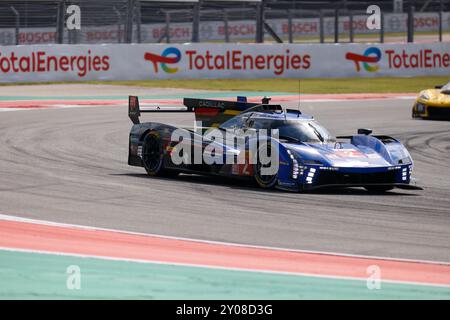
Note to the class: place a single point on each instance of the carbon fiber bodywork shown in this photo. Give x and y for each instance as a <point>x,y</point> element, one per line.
<point>361,160</point>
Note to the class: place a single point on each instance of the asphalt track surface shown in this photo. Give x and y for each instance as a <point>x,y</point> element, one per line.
<point>70,166</point>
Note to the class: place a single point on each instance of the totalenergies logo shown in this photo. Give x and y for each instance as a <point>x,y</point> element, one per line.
<point>368,60</point>
<point>168,56</point>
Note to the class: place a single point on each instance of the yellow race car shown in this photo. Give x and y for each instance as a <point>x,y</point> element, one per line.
<point>433,103</point>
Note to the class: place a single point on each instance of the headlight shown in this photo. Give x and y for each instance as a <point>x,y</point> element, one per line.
<point>310,176</point>
<point>406,160</point>
<point>296,169</point>
<point>424,96</point>
<point>420,107</point>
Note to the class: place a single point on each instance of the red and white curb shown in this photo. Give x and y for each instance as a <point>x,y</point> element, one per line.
<point>21,105</point>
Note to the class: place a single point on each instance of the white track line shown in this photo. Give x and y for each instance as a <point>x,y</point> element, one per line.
<point>206,266</point>
<point>223,243</point>
<point>70,106</point>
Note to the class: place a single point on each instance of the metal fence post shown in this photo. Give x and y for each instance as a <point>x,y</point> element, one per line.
<point>382,27</point>
<point>196,23</point>
<point>167,29</point>
<point>260,22</point>
<point>77,36</point>
<point>69,36</point>
<point>129,22</point>
<point>351,26</point>
<point>411,24</point>
<point>119,22</point>
<point>441,8</point>
<point>17,15</point>
<point>60,21</point>
<point>291,38</point>
<point>138,21</point>
<point>336,26</point>
<point>322,33</point>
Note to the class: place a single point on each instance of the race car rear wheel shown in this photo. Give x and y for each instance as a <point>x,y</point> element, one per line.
<point>378,189</point>
<point>152,156</point>
<point>264,181</point>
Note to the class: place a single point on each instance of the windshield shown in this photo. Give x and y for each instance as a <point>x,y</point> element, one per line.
<point>298,130</point>
<point>235,122</point>
<point>302,131</point>
<point>295,130</point>
<point>446,88</point>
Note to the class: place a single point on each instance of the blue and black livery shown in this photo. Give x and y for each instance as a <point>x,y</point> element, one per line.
<point>309,156</point>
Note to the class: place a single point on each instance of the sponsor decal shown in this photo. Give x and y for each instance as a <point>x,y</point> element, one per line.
<point>238,60</point>
<point>40,61</point>
<point>399,59</point>
<point>170,55</point>
<point>424,58</point>
<point>229,60</point>
<point>368,60</point>
<point>348,153</point>
<point>178,31</point>
<point>242,169</point>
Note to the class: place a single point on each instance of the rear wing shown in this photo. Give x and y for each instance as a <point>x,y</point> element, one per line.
<point>210,112</point>
<point>134,110</point>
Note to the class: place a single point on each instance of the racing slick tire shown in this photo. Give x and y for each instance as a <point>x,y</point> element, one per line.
<point>152,156</point>
<point>264,181</point>
<point>415,115</point>
<point>378,189</point>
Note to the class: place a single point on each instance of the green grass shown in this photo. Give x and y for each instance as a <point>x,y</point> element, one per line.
<point>329,85</point>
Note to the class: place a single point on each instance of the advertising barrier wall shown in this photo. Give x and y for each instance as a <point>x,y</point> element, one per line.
<point>183,61</point>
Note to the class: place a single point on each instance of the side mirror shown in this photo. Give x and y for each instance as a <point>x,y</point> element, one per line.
<point>364,131</point>
<point>266,100</point>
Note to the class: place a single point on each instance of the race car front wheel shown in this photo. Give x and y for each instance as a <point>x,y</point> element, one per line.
<point>265,181</point>
<point>152,156</point>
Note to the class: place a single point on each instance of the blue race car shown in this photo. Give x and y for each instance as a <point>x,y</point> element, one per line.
<point>308,156</point>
